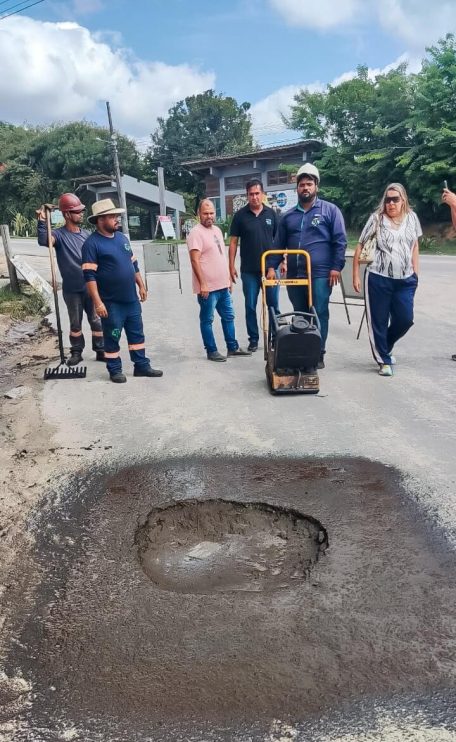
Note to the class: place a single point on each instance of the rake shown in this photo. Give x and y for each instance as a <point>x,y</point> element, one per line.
<point>62,371</point>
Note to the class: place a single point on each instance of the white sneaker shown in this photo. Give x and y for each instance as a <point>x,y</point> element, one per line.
<point>393,360</point>
<point>385,370</point>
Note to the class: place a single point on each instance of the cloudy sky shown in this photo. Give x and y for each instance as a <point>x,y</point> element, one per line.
<point>61,59</point>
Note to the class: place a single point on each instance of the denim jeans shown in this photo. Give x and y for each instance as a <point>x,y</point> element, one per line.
<point>251,286</point>
<point>321,291</point>
<point>77,303</point>
<point>124,316</point>
<point>221,301</point>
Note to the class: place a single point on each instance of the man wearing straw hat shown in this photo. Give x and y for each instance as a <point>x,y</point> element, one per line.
<point>113,280</point>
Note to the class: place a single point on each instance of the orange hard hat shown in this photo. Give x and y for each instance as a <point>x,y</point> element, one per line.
<point>70,202</point>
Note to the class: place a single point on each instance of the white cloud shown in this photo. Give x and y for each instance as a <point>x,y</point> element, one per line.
<point>68,9</point>
<point>61,72</point>
<point>267,113</point>
<point>416,21</point>
<point>321,15</point>
<point>413,21</point>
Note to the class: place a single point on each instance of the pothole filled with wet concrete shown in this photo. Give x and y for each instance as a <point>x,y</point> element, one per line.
<point>220,546</point>
<point>107,650</point>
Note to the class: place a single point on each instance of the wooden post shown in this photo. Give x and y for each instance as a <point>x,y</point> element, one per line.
<point>14,282</point>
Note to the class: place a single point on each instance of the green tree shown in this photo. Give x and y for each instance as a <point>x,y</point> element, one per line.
<point>365,124</point>
<point>432,158</point>
<point>19,182</point>
<point>40,163</point>
<point>200,126</point>
<point>62,153</point>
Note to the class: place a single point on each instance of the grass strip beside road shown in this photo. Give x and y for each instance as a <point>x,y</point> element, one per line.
<point>26,304</point>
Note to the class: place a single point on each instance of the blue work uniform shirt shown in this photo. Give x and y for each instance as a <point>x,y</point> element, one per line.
<point>320,231</point>
<point>110,262</point>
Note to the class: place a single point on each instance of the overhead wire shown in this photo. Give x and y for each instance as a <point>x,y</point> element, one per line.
<point>147,140</point>
<point>255,131</point>
<point>6,11</point>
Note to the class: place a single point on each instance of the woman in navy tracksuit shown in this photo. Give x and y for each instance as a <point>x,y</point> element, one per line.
<point>392,277</point>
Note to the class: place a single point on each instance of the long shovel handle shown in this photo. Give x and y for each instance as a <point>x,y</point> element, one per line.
<point>54,282</point>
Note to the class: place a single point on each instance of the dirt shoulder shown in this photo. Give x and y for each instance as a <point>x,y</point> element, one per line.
<point>27,461</point>
<point>30,461</point>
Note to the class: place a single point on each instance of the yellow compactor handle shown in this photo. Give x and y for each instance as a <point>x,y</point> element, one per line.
<point>288,281</point>
<point>281,282</point>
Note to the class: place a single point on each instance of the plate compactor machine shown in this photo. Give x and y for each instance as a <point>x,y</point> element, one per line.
<point>292,341</point>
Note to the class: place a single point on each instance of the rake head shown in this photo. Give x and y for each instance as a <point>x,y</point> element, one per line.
<point>65,372</point>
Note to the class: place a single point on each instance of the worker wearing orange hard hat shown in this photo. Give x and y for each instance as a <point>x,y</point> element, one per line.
<point>68,241</point>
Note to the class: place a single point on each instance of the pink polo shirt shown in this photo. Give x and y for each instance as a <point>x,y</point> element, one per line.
<point>214,264</point>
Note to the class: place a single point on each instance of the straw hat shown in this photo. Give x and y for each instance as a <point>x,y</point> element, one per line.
<point>102,208</point>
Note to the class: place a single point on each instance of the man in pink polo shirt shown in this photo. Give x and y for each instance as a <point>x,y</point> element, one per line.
<point>212,282</point>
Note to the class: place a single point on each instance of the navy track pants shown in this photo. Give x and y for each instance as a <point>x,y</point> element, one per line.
<point>389,311</point>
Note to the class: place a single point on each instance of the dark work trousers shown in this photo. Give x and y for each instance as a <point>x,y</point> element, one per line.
<point>78,303</point>
<point>321,291</point>
<point>389,311</point>
<point>123,316</point>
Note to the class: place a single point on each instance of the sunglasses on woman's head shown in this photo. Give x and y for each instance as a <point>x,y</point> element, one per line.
<point>392,199</point>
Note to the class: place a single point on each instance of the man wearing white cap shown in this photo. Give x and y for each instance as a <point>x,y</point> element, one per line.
<point>113,279</point>
<point>316,226</point>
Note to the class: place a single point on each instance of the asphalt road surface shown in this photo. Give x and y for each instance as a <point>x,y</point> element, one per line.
<point>360,648</point>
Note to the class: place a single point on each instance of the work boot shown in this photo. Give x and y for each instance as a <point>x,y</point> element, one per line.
<point>118,378</point>
<point>147,371</point>
<point>239,352</point>
<point>216,356</point>
<point>100,356</point>
<point>75,358</point>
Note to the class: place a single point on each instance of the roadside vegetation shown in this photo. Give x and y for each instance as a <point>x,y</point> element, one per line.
<point>19,306</point>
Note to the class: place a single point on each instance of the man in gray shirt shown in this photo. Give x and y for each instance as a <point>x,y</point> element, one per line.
<point>68,242</point>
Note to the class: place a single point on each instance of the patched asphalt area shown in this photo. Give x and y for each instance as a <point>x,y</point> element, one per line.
<point>111,655</point>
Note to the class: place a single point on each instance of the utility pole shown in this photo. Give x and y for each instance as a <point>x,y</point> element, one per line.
<point>120,191</point>
<point>161,190</point>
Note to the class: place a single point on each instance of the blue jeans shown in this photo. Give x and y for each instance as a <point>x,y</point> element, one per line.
<point>123,316</point>
<point>321,291</point>
<point>389,311</point>
<point>251,286</point>
<point>221,301</point>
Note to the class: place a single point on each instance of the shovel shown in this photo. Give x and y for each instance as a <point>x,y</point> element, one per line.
<point>62,371</point>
